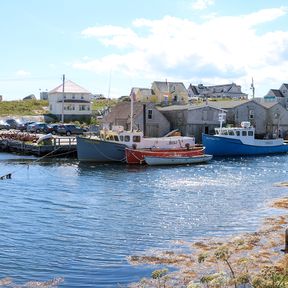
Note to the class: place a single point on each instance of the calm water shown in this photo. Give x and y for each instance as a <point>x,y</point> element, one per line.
<point>80,222</point>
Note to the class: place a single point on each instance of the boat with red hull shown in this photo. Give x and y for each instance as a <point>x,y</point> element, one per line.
<point>137,156</point>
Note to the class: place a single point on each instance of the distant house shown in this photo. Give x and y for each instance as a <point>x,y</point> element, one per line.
<point>279,95</point>
<point>169,92</point>
<point>143,95</point>
<point>29,97</point>
<point>156,123</point>
<point>230,91</point>
<point>74,103</point>
<point>44,95</point>
<point>97,97</point>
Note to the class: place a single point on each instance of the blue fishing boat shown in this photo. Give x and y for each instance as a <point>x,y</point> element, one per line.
<point>240,141</point>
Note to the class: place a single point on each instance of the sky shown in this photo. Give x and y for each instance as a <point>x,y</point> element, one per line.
<point>110,46</point>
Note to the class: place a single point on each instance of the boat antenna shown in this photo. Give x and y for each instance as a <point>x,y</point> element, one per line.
<point>109,84</point>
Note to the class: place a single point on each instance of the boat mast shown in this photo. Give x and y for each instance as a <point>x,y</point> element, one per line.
<point>132,96</point>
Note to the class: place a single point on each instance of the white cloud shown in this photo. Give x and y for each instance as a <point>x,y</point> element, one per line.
<point>220,49</point>
<point>111,35</point>
<point>23,73</point>
<point>201,4</point>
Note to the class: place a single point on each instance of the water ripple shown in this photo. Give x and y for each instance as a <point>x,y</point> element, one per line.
<point>81,221</point>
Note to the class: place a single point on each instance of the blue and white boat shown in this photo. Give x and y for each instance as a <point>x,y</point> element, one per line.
<point>240,141</point>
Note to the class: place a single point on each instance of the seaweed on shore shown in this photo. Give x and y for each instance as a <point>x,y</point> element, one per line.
<point>246,260</point>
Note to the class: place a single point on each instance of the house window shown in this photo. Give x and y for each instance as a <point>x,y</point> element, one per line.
<point>149,114</point>
<point>73,96</point>
<point>251,114</point>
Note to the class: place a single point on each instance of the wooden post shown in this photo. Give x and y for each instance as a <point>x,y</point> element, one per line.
<point>285,250</point>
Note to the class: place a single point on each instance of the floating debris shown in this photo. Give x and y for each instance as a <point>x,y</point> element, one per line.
<point>54,283</point>
<point>5,281</point>
<point>47,284</point>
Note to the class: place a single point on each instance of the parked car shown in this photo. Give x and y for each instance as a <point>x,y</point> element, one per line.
<point>52,128</point>
<point>23,126</point>
<point>37,127</point>
<point>68,129</point>
<point>4,125</point>
<point>13,124</point>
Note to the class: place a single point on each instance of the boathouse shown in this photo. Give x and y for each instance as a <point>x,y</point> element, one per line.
<point>154,124</point>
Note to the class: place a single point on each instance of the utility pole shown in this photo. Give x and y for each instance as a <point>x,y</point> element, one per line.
<point>253,88</point>
<point>63,90</point>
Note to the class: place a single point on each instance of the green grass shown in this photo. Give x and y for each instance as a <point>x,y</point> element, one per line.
<point>99,104</point>
<point>40,107</point>
<point>23,108</point>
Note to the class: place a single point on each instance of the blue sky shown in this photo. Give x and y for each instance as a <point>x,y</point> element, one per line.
<point>111,46</point>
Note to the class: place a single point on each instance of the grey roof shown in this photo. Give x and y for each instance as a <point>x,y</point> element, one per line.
<point>227,104</point>
<point>275,92</point>
<point>165,86</point>
<point>194,89</point>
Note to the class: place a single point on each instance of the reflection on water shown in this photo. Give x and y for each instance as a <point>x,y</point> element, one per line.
<point>62,218</point>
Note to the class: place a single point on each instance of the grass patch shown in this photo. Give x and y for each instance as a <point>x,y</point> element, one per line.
<point>23,107</point>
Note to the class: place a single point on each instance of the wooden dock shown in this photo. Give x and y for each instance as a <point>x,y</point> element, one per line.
<point>55,147</point>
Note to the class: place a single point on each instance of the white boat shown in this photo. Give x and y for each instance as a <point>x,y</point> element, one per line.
<point>110,145</point>
<point>177,160</point>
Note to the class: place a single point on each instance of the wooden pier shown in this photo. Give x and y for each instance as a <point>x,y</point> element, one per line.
<point>54,147</point>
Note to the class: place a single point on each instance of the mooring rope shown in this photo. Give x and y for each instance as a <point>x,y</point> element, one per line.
<point>9,175</point>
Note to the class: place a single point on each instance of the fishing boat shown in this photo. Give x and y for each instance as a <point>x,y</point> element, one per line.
<point>110,145</point>
<point>240,141</point>
<point>137,156</point>
<point>177,160</point>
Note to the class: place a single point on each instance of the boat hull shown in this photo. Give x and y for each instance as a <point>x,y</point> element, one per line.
<point>177,160</point>
<point>97,150</point>
<point>136,156</point>
<point>221,146</point>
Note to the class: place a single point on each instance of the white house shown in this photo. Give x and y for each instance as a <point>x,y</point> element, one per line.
<point>73,102</point>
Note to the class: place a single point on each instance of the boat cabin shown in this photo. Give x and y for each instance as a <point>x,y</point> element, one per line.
<point>244,131</point>
<point>118,134</point>
<point>135,139</point>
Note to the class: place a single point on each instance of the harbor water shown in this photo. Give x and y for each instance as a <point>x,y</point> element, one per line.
<point>62,218</point>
